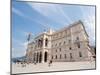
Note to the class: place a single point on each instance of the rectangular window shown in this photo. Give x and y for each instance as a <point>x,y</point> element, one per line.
<point>52,57</point>
<point>52,45</point>
<point>60,44</point>
<point>60,56</point>
<point>56,56</point>
<point>69,41</point>
<point>65,56</point>
<point>71,56</point>
<point>55,44</point>
<point>56,50</point>
<point>60,49</point>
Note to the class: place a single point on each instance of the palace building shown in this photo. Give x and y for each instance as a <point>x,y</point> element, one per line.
<point>65,45</point>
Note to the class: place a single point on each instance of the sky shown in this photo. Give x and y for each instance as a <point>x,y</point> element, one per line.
<point>36,17</point>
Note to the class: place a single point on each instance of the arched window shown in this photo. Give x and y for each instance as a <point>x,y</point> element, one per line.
<point>46,42</point>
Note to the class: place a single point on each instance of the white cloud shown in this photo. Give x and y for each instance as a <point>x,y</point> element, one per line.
<point>89,23</point>
<point>25,45</point>
<point>17,12</point>
<point>43,8</point>
<point>18,48</point>
<point>64,14</point>
<point>18,52</point>
<point>51,11</point>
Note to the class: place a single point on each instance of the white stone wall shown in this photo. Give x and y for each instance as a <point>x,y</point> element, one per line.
<point>63,44</point>
<point>64,36</point>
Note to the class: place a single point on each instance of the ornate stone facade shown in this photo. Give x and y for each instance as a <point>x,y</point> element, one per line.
<point>65,45</point>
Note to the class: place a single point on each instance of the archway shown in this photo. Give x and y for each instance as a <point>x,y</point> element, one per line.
<point>45,56</point>
<point>37,57</point>
<point>40,57</point>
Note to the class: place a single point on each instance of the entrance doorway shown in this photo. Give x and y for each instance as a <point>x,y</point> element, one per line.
<point>40,57</point>
<point>45,56</point>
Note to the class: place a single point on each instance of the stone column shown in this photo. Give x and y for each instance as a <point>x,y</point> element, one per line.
<point>43,49</point>
<point>38,57</point>
<point>42,57</point>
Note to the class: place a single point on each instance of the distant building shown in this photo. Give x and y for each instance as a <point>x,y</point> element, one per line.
<point>65,45</point>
